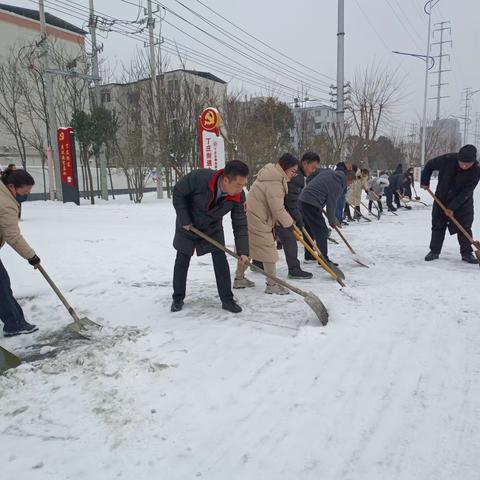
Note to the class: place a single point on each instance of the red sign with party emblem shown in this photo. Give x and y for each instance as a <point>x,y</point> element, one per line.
<point>65,152</point>
<point>68,164</point>
<point>212,147</point>
<point>210,119</point>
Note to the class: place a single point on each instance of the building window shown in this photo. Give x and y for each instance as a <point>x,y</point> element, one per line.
<point>170,85</point>
<point>105,97</point>
<point>197,89</point>
<point>207,91</point>
<point>177,85</point>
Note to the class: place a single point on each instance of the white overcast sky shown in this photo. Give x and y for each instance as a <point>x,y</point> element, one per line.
<point>305,30</point>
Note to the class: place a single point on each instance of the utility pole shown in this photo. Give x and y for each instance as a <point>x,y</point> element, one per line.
<point>477,129</point>
<point>101,159</point>
<point>439,83</point>
<point>54,176</point>
<point>425,92</point>
<point>340,76</point>
<point>153,78</point>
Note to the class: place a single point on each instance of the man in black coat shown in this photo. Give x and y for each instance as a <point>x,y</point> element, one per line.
<point>201,199</point>
<point>308,164</point>
<point>323,190</point>
<point>458,175</point>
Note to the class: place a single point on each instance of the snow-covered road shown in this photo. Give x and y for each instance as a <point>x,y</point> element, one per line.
<point>389,389</point>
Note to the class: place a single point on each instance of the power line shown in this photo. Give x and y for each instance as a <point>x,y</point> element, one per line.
<point>263,62</point>
<point>126,24</point>
<point>251,48</point>
<point>410,23</point>
<point>226,68</point>
<point>264,43</point>
<point>402,23</point>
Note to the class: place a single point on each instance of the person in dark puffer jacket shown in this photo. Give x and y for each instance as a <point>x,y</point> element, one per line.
<point>458,176</point>
<point>201,199</point>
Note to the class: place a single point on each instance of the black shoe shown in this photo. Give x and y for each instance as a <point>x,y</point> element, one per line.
<point>392,209</point>
<point>470,258</point>
<point>330,261</point>
<point>279,246</point>
<point>23,329</point>
<point>300,274</point>
<point>177,305</point>
<point>231,306</point>
<point>431,256</point>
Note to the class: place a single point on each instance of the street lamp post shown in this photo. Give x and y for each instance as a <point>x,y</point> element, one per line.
<point>423,134</point>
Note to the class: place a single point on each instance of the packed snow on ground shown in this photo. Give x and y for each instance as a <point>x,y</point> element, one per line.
<point>388,389</point>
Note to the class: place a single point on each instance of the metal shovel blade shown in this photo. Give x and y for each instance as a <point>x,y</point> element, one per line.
<point>317,306</point>
<point>8,360</point>
<point>85,327</point>
<point>360,260</point>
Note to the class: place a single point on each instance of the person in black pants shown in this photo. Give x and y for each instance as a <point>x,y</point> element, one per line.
<point>201,199</point>
<point>15,186</point>
<point>458,176</point>
<point>324,189</point>
<point>308,164</point>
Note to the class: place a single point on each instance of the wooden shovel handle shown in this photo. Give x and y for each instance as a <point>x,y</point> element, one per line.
<point>341,235</point>
<point>223,248</point>
<point>453,219</point>
<point>70,309</point>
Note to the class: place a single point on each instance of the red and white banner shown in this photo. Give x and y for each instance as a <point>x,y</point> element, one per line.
<point>65,153</point>
<point>417,171</point>
<point>212,146</point>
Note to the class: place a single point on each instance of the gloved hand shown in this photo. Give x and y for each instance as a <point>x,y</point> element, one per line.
<point>34,261</point>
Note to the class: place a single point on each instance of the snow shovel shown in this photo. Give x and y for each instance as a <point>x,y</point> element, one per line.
<point>417,197</point>
<point>457,223</point>
<point>8,360</point>
<point>310,299</point>
<point>402,197</point>
<point>83,326</point>
<point>355,257</point>
<point>369,212</point>
<point>355,211</point>
<point>312,248</point>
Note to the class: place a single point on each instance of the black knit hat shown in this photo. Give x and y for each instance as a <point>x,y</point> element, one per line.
<point>468,153</point>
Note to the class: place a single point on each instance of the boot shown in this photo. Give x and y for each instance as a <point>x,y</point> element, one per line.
<point>432,256</point>
<point>21,329</point>
<point>279,245</point>
<point>276,289</point>
<point>243,283</point>
<point>330,261</point>
<point>299,274</point>
<point>176,306</point>
<point>231,306</point>
<point>470,258</point>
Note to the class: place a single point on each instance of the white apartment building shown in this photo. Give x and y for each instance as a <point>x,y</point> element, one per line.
<point>20,27</point>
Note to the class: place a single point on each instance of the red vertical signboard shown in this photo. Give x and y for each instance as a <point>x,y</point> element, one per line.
<point>65,153</point>
<point>68,164</point>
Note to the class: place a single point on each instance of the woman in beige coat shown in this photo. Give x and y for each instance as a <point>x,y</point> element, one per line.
<point>265,209</point>
<point>354,191</point>
<point>15,185</point>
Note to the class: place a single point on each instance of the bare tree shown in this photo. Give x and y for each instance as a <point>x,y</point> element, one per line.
<point>12,87</point>
<point>376,93</point>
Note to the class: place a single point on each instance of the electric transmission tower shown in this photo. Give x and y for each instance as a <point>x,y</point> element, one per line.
<point>442,28</point>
